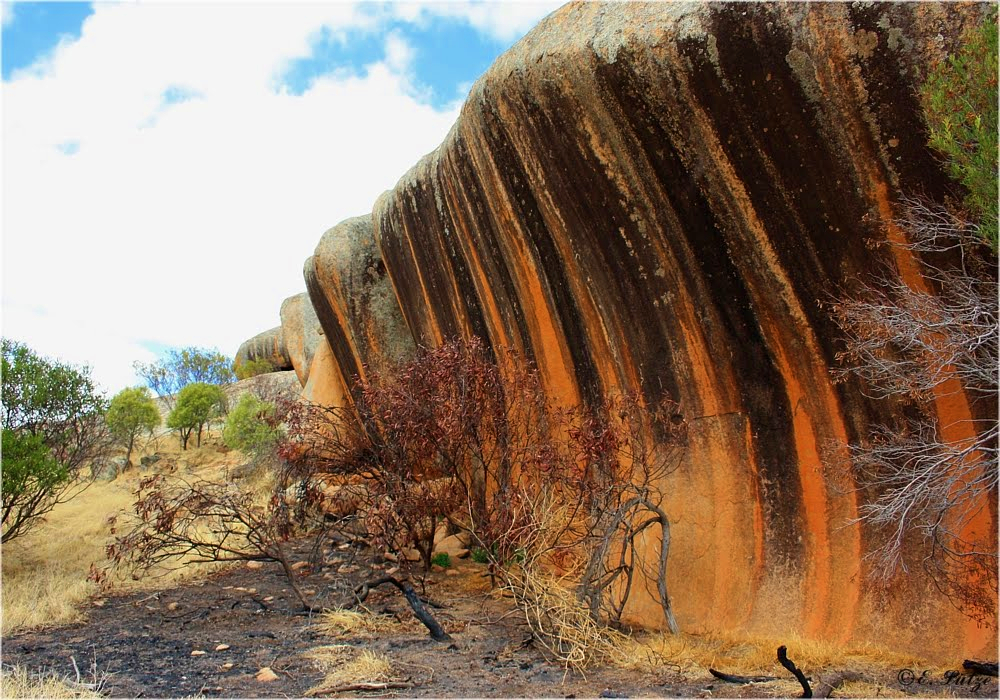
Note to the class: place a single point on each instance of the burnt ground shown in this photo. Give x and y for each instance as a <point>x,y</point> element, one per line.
<point>144,642</point>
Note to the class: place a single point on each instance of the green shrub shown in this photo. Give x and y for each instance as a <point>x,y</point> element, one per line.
<point>250,426</point>
<point>53,424</point>
<point>480,555</point>
<point>131,413</point>
<point>960,105</point>
<point>442,559</point>
<point>252,368</point>
<point>197,405</point>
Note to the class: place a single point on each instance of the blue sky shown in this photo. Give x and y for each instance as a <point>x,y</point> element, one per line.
<point>34,29</point>
<point>448,52</point>
<point>168,166</point>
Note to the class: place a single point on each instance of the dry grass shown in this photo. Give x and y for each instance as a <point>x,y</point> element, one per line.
<point>45,571</point>
<point>561,623</point>
<point>864,689</point>
<point>16,682</point>
<point>750,655</point>
<point>692,655</point>
<point>339,623</point>
<point>341,670</point>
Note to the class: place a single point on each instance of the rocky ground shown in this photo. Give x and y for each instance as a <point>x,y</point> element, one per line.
<point>150,645</point>
<point>214,637</point>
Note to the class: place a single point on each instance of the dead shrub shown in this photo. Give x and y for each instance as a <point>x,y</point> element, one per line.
<point>465,435</point>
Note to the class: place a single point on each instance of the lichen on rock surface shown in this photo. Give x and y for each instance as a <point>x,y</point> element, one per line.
<point>659,197</point>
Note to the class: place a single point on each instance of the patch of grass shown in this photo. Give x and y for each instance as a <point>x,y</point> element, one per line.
<point>864,689</point>
<point>45,571</point>
<point>442,559</point>
<point>338,623</point>
<point>340,669</point>
<point>16,682</point>
<point>751,655</point>
<point>560,622</point>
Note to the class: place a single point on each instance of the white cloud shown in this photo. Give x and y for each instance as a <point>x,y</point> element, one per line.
<point>6,13</point>
<point>125,221</point>
<point>398,53</point>
<point>504,21</point>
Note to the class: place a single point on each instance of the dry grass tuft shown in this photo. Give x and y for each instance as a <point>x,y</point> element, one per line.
<point>16,682</point>
<point>366,667</point>
<point>561,623</point>
<point>338,623</point>
<point>864,689</point>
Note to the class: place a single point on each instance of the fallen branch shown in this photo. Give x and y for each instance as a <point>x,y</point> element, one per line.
<point>350,687</point>
<point>361,594</point>
<point>787,663</point>
<point>986,669</point>
<point>729,678</point>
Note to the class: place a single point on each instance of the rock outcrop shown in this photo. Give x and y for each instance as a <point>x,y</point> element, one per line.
<point>302,333</point>
<point>355,302</point>
<point>268,345</point>
<point>659,197</point>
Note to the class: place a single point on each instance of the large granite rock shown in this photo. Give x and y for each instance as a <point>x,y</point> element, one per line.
<point>270,346</point>
<point>302,333</point>
<point>658,197</point>
<point>355,302</point>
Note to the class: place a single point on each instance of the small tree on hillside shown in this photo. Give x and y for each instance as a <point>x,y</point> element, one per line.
<point>197,405</point>
<point>168,376</point>
<point>53,425</point>
<point>132,412</point>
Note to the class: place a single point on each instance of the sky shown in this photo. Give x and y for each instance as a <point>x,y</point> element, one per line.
<point>168,166</point>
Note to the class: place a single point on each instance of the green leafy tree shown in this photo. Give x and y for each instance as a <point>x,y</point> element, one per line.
<point>250,426</point>
<point>960,105</point>
<point>132,412</point>
<point>197,404</point>
<point>166,377</point>
<point>53,425</point>
<point>30,475</point>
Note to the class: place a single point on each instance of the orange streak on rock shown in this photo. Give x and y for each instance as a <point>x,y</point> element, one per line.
<point>758,517</point>
<point>547,339</point>
<point>484,290</point>
<point>437,337</point>
<point>333,286</point>
<point>551,353</point>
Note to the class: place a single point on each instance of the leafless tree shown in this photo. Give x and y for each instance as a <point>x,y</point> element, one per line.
<point>177,521</point>
<point>916,340</point>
